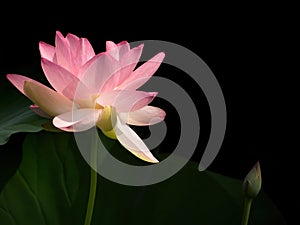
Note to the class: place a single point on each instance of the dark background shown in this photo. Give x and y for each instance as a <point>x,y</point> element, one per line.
<point>241,48</point>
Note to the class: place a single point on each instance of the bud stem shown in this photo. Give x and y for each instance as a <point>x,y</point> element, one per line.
<point>246,213</point>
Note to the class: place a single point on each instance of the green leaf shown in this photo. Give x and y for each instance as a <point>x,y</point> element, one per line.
<point>46,183</point>
<point>52,183</point>
<point>15,115</point>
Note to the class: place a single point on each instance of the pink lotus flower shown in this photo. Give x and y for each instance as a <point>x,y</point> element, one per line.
<point>94,90</point>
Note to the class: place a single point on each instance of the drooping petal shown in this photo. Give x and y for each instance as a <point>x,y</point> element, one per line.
<point>47,51</point>
<point>126,101</point>
<point>77,120</point>
<point>18,81</point>
<point>39,112</point>
<point>57,76</point>
<point>143,73</point>
<point>145,116</point>
<point>126,64</point>
<point>132,142</point>
<point>47,99</point>
<point>98,70</point>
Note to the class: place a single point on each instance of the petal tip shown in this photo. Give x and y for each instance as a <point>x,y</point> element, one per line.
<point>153,94</point>
<point>155,161</point>
<point>42,43</point>
<point>43,60</point>
<point>58,33</point>
<point>141,45</point>
<point>9,76</point>
<point>161,56</point>
<point>163,114</point>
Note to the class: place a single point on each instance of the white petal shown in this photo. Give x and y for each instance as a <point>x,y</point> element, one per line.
<point>145,116</point>
<point>132,142</point>
<point>77,120</point>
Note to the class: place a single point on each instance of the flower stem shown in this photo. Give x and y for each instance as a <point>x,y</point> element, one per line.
<point>93,187</point>
<point>246,213</point>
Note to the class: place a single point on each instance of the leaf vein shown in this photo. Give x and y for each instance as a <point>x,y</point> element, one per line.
<point>64,185</point>
<point>38,204</point>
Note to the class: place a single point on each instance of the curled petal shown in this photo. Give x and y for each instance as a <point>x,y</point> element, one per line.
<point>126,101</point>
<point>145,116</point>
<point>47,99</point>
<point>132,142</point>
<point>77,120</point>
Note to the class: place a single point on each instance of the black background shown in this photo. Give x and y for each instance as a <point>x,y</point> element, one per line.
<point>240,46</point>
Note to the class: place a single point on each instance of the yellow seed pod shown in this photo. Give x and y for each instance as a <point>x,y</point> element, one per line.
<point>106,122</point>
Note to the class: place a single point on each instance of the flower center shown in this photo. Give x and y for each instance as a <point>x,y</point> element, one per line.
<point>106,122</point>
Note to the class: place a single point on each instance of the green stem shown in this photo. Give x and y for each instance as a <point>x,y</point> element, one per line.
<point>246,213</point>
<point>93,187</point>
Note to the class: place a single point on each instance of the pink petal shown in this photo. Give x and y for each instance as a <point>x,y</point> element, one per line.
<point>47,99</point>
<point>143,73</point>
<point>77,120</point>
<point>39,112</point>
<point>123,48</point>
<point>86,51</point>
<point>145,116</point>
<point>18,81</point>
<point>74,42</point>
<point>126,101</point>
<point>119,50</point>
<point>57,76</point>
<point>132,142</point>
<point>47,51</point>
<point>112,49</point>
<point>127,64</point>
<point>131,58</point>
<point>77,91</point>
<point>110,45</point>
<point>63,52</point>
<point>98,70</point>
<point>81,55</point>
